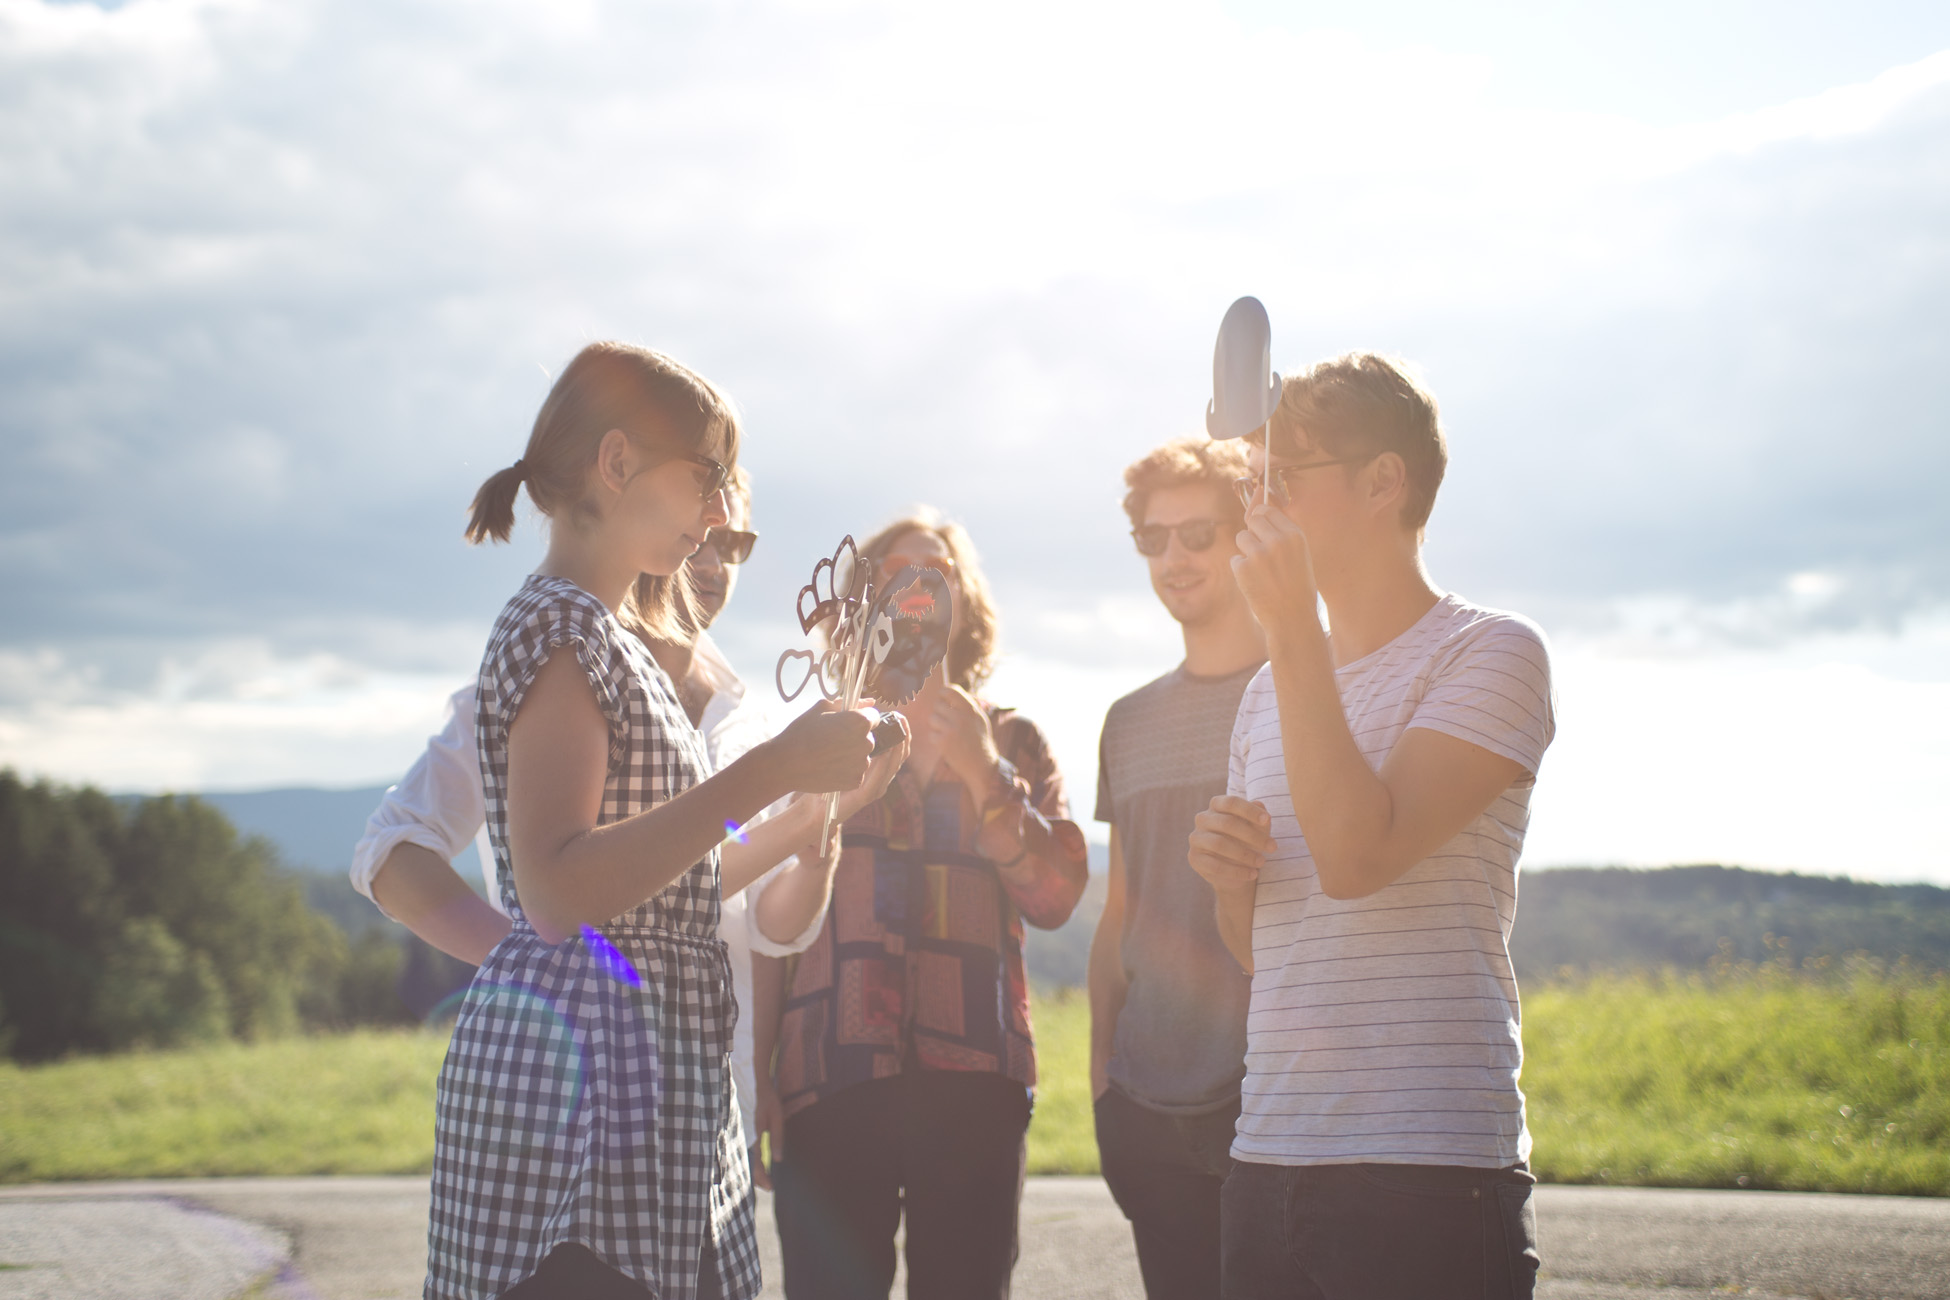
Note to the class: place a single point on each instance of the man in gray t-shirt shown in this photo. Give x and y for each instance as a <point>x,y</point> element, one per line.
<point>1167,1000</point>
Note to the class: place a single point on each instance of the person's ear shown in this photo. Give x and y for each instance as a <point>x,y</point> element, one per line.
<point>1387,482</point>
<point>615,460</point>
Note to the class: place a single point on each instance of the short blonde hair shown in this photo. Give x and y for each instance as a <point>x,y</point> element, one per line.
<point>971,656</point>
<point>1188,462</point>
<point>1360,405</point>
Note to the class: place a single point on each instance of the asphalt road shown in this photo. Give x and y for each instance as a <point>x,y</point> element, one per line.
<point>365,1239</point>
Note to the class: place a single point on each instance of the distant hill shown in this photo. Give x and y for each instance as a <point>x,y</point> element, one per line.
<point>1568,919</point>
<point>1571,920</point>
<point>313,830</point>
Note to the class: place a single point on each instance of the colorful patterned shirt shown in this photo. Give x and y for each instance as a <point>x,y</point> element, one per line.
<point>919,963</point>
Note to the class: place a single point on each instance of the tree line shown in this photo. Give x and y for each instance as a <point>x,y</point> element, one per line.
<point>151,922</point>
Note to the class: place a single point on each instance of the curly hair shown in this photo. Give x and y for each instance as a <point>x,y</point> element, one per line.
<point>1188,462</point>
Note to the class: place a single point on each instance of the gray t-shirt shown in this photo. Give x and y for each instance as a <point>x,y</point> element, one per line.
<point>1181,1038</point>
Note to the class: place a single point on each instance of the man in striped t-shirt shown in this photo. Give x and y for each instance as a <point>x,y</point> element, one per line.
<point>1364,860</point>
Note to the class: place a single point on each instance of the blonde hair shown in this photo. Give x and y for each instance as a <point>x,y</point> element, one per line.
<point>662,405</point>
<point>971,655</point>
<point>1188,462</point>
<point>1361,405</point>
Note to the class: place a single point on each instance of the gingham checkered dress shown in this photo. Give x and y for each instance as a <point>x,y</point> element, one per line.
<point>576,1105</point>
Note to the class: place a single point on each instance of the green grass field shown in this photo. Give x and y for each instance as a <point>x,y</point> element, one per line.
<point>1751,1079</point>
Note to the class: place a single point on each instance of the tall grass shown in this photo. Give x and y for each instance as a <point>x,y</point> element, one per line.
<point>359,1103</point>
<point>1747,1077</point>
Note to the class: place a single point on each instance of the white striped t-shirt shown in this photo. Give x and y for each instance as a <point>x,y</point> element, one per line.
<point>1386,1029</point>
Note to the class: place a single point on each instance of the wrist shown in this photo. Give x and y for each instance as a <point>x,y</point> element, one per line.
<point>771,776</point>
<point>1297,633</point>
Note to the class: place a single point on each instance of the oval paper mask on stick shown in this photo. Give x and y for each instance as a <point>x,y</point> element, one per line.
<point>907,635</point>
<point>1245,391</point>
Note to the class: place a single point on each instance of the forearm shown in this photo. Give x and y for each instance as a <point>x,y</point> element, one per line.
<point>1050,867</point>
<point>421,891</point>
<point>1234,912</point>
<point>1108,988</point>
<point>1343,808</point>
<point>795,897</point>
<point>604,871</point>
<point>767,843</point>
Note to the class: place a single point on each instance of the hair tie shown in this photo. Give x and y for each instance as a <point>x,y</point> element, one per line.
<point>521,470</point>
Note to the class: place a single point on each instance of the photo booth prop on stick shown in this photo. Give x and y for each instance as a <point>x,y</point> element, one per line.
<point>1245,391</point>
<point>882,641</point>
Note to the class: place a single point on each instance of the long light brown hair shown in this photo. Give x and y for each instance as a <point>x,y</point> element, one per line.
<point>971,656</point>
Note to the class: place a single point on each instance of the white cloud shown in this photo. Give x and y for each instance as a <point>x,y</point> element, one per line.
<point>281,282</point>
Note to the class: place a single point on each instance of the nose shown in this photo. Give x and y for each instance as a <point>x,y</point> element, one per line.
<point>717,510</point>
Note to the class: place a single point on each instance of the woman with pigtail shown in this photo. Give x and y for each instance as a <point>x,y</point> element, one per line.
<point>586,1142</point>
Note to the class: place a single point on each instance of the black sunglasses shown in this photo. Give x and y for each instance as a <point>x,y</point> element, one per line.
<point>733,545</point>
<point>1196,534</point>
<point>714,481</point>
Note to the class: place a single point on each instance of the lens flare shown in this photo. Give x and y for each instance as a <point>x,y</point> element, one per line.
<point>736,834</point>
<point>615,962</point>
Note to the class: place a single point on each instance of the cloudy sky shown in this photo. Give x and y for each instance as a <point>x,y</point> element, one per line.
<point>280,283</point>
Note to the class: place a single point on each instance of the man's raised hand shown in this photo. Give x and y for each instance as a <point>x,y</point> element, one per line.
<point>1229,844</point>
<point>1275,570</point>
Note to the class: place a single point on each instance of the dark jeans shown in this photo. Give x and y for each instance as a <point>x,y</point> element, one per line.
<point>574,1272</point>
<point>1166,1171</point>
<point>1378,1232</point>
<point>944,1146</point>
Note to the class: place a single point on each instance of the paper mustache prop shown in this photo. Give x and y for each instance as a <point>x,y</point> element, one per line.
<point>1245,391</point>
<point>880,644</point>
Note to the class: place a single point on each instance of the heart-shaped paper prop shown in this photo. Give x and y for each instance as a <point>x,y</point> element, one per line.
<point>803,668</point>
<point>1245,391</point>
<point>907,634</point>
<point>843,581</point>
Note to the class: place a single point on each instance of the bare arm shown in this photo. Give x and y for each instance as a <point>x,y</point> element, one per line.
<point>1108,985</point>
<point>571,872</point>
<point>426,895</point>
<point>1364,828</point>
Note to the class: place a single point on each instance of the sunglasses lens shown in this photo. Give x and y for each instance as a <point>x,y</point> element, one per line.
<point>1152,539</point>
<point>1198,534</point>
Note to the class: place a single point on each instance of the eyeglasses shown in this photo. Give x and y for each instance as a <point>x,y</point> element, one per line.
<point>1194,534</point>
<point>892,564</point>
<point>714,481</point>
<point>733,545</point>
<point>1248,487</point>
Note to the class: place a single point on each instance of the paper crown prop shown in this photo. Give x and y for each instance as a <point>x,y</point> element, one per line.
<point>1245,391</point>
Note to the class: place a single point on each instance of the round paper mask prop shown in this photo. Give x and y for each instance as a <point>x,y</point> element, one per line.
<point>907,635</point>
<point>1245,391</point>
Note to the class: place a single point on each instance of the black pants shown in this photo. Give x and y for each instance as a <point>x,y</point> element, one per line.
<point>944,1146</point>
<point>1378,1232</point>
<point>1166,1171</point>
<point>576,1272</point>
